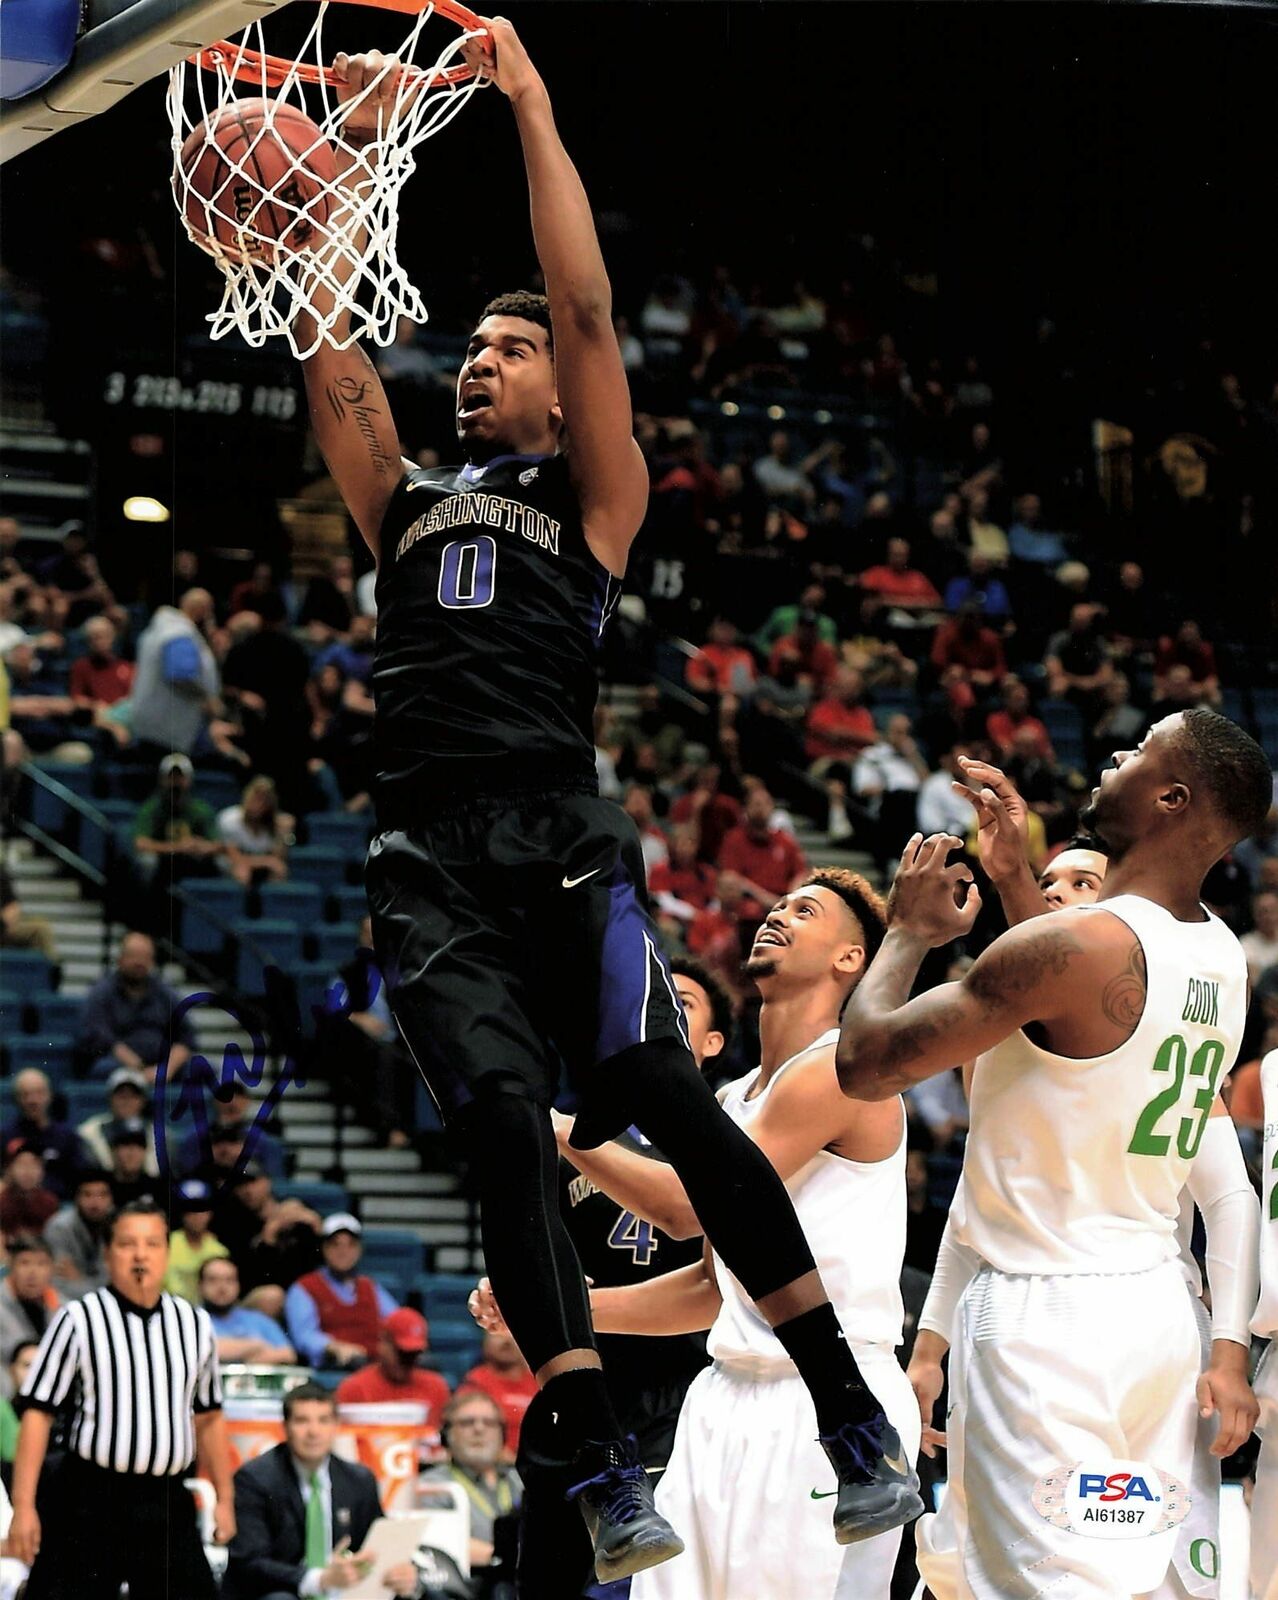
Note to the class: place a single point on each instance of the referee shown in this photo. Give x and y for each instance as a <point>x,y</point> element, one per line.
<point>138,1371</point>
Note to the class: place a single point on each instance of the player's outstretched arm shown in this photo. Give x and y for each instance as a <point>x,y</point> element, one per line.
<point>607,467</point>
<point>1035,973</point>
<point>348,406</point>
<point>686,1301</point>
<point>1222,1191</point>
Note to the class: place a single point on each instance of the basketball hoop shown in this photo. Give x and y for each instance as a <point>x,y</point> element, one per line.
<point>348,260</point>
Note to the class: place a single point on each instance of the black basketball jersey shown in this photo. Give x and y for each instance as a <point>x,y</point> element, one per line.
<point>615,1247</point>
<point>490,612</point>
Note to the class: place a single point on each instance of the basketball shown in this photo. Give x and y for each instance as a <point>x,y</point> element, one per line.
<point>257,171</point>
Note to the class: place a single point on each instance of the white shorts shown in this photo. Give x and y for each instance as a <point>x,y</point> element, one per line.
<point>1264,1502</point>
<point>740,1488</point>
<point>1047,1372</point>
<point>1195,1568</point>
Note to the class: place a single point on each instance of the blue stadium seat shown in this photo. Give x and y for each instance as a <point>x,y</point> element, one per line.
<point>394,1250</point>
<point>314,980</point>
<point>1231,704</point>
<point>26,971</point>
<point>326,1198</point>
<point>217,789</point>
<point>56,1013</point>
<point>50,1052</point>
<point>1060,717</point>
<point>1265,700</point>
<point>309,864</point>
<point>83,1100</point>
<point>347,905</point>
<point>456,1345</point>
<point>11,1010</point>
<point>298,902</point>
<point>334,945</point>
<point>203,935</point>
<point>269,940</point>
<point>338,830</point>
<point>444,1294</point>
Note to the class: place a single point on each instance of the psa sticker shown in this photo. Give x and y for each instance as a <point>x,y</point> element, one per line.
<point>1111,1499</point>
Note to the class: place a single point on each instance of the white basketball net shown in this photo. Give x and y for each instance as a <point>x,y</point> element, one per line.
<point>350,261</point>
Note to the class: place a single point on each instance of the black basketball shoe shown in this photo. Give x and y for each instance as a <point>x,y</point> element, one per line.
<point>878,1488</point>
<point>629,1533</point>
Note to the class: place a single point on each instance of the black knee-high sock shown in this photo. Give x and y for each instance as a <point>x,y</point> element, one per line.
<point>749,1218</point>
<point>535,1273</point>
<point>815,1342</point>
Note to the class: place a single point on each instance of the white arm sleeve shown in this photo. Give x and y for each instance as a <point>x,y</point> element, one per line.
<point>1222,1191</point>
<point>955,1268</point>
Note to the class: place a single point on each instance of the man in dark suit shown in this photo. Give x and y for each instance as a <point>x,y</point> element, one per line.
<point>303,1513</point>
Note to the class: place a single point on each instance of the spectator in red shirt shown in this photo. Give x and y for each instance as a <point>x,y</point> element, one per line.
<point>715,934</point>
<point>1003,726</point>
<point>25,1203</point>
<point>722,665</point>
<point>683,885</point>
<point>710,812</point>
<point>1188,649</point>
<point>814,658</point>
<point>767,859</point>
<point>100,679</point>
<point>394,1375</point>
<point>897,583</point>
<point>965,642</point>
<point>503,1375</point>
<point>840,725</point>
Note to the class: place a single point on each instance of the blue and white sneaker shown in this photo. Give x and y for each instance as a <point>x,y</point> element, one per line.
<point>629,1533</point>
<point>878,1488</point>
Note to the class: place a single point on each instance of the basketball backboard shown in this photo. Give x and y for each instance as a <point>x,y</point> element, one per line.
<point>128,46</point>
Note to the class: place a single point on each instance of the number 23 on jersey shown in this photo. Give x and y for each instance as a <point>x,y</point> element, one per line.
<point>1155,1128</point>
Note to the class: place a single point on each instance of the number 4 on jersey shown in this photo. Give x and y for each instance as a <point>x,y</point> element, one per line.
<point>630,1232</point>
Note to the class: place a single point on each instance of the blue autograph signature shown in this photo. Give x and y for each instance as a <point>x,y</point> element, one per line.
<point>198,1077</point>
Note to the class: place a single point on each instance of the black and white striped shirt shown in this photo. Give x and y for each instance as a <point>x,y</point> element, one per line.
<point>135,1377</point>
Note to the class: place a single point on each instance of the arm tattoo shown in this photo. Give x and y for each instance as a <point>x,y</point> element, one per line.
<point>1123,997</point>
<point>906,1045</point>
<point>1016,972</point>
<point>347,396</point>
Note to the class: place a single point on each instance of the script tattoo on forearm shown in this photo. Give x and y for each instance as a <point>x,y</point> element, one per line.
<point>347,396</point>
<point>1123,997</point>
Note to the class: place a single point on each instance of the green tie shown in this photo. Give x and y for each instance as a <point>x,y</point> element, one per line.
<point>316,1531</point>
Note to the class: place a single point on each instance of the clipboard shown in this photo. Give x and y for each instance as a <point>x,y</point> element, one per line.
<point>390,1541</point>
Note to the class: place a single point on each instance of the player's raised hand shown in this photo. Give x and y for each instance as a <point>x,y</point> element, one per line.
<point>1002,818</point>
<point>931,900</point>
<point>483,1306</point>
<point>1223,1391</point>
<point>502,59</point>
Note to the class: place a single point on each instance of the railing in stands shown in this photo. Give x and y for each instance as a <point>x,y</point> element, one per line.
<point>113,884</point>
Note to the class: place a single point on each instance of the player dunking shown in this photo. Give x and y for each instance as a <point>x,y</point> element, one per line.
<point>1218,1185</point>
<point>1108,1029</point>
<point>506,897</point>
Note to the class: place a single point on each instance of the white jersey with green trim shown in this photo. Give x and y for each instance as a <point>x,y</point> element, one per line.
<point>1265,1323</point>
<point>1077,1166</point>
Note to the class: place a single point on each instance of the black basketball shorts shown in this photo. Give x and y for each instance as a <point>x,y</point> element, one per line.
<point>514,938</point>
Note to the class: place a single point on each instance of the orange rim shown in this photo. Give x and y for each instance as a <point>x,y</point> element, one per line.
<point>274,70</point>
